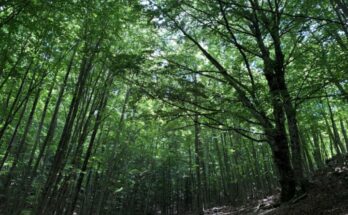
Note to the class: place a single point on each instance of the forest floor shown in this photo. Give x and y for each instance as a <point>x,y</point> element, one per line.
<point>327,194</point>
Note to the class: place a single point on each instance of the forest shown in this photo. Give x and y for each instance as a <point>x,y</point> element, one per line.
<point>188,107</point>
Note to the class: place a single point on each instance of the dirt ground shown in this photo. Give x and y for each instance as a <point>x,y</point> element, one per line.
<point>326,194</point>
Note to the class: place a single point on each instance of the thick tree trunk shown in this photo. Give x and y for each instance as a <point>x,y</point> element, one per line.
<point>294,133</point>
<point>281,159</point>
<point>278,138</point>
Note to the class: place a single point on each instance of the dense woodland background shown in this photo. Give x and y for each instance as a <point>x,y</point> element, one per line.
<point>135,107</point>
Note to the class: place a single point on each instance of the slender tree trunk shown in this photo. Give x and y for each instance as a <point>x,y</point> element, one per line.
<point>41,124</point>
<point>317,153</point>
<point>198,165</point>
<point>14,136</point>
<point>22,144</point>
<point>222,169</point>
<point>307,153</point>
<point>344,133</point>
<point>52,126</point>
<point>86,66</point>
<point>88,153</point>
<point>336,135</point>
<point>332,137</point>
<point>14,107</point>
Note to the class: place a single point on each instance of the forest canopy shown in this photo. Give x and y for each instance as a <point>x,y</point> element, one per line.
<point>167,106</point>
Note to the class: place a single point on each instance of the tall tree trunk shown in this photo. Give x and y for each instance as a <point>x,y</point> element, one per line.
<point>295,140</point>
<point>344,133</point>
<point>223,172</point>
<point>22,144</point>
<point>333,138</point>
<point>198,165</point>
<point>317,153</point>
<point>86,66</point>
<point>14,135</point>
<point>41,124</point>
<point>281,159</point>
<point>336,135</point>
<point>278,140</point>
<point>88,153</point>
<point>14,106</point>
<point>51,129</point>
<point>274,71</point>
